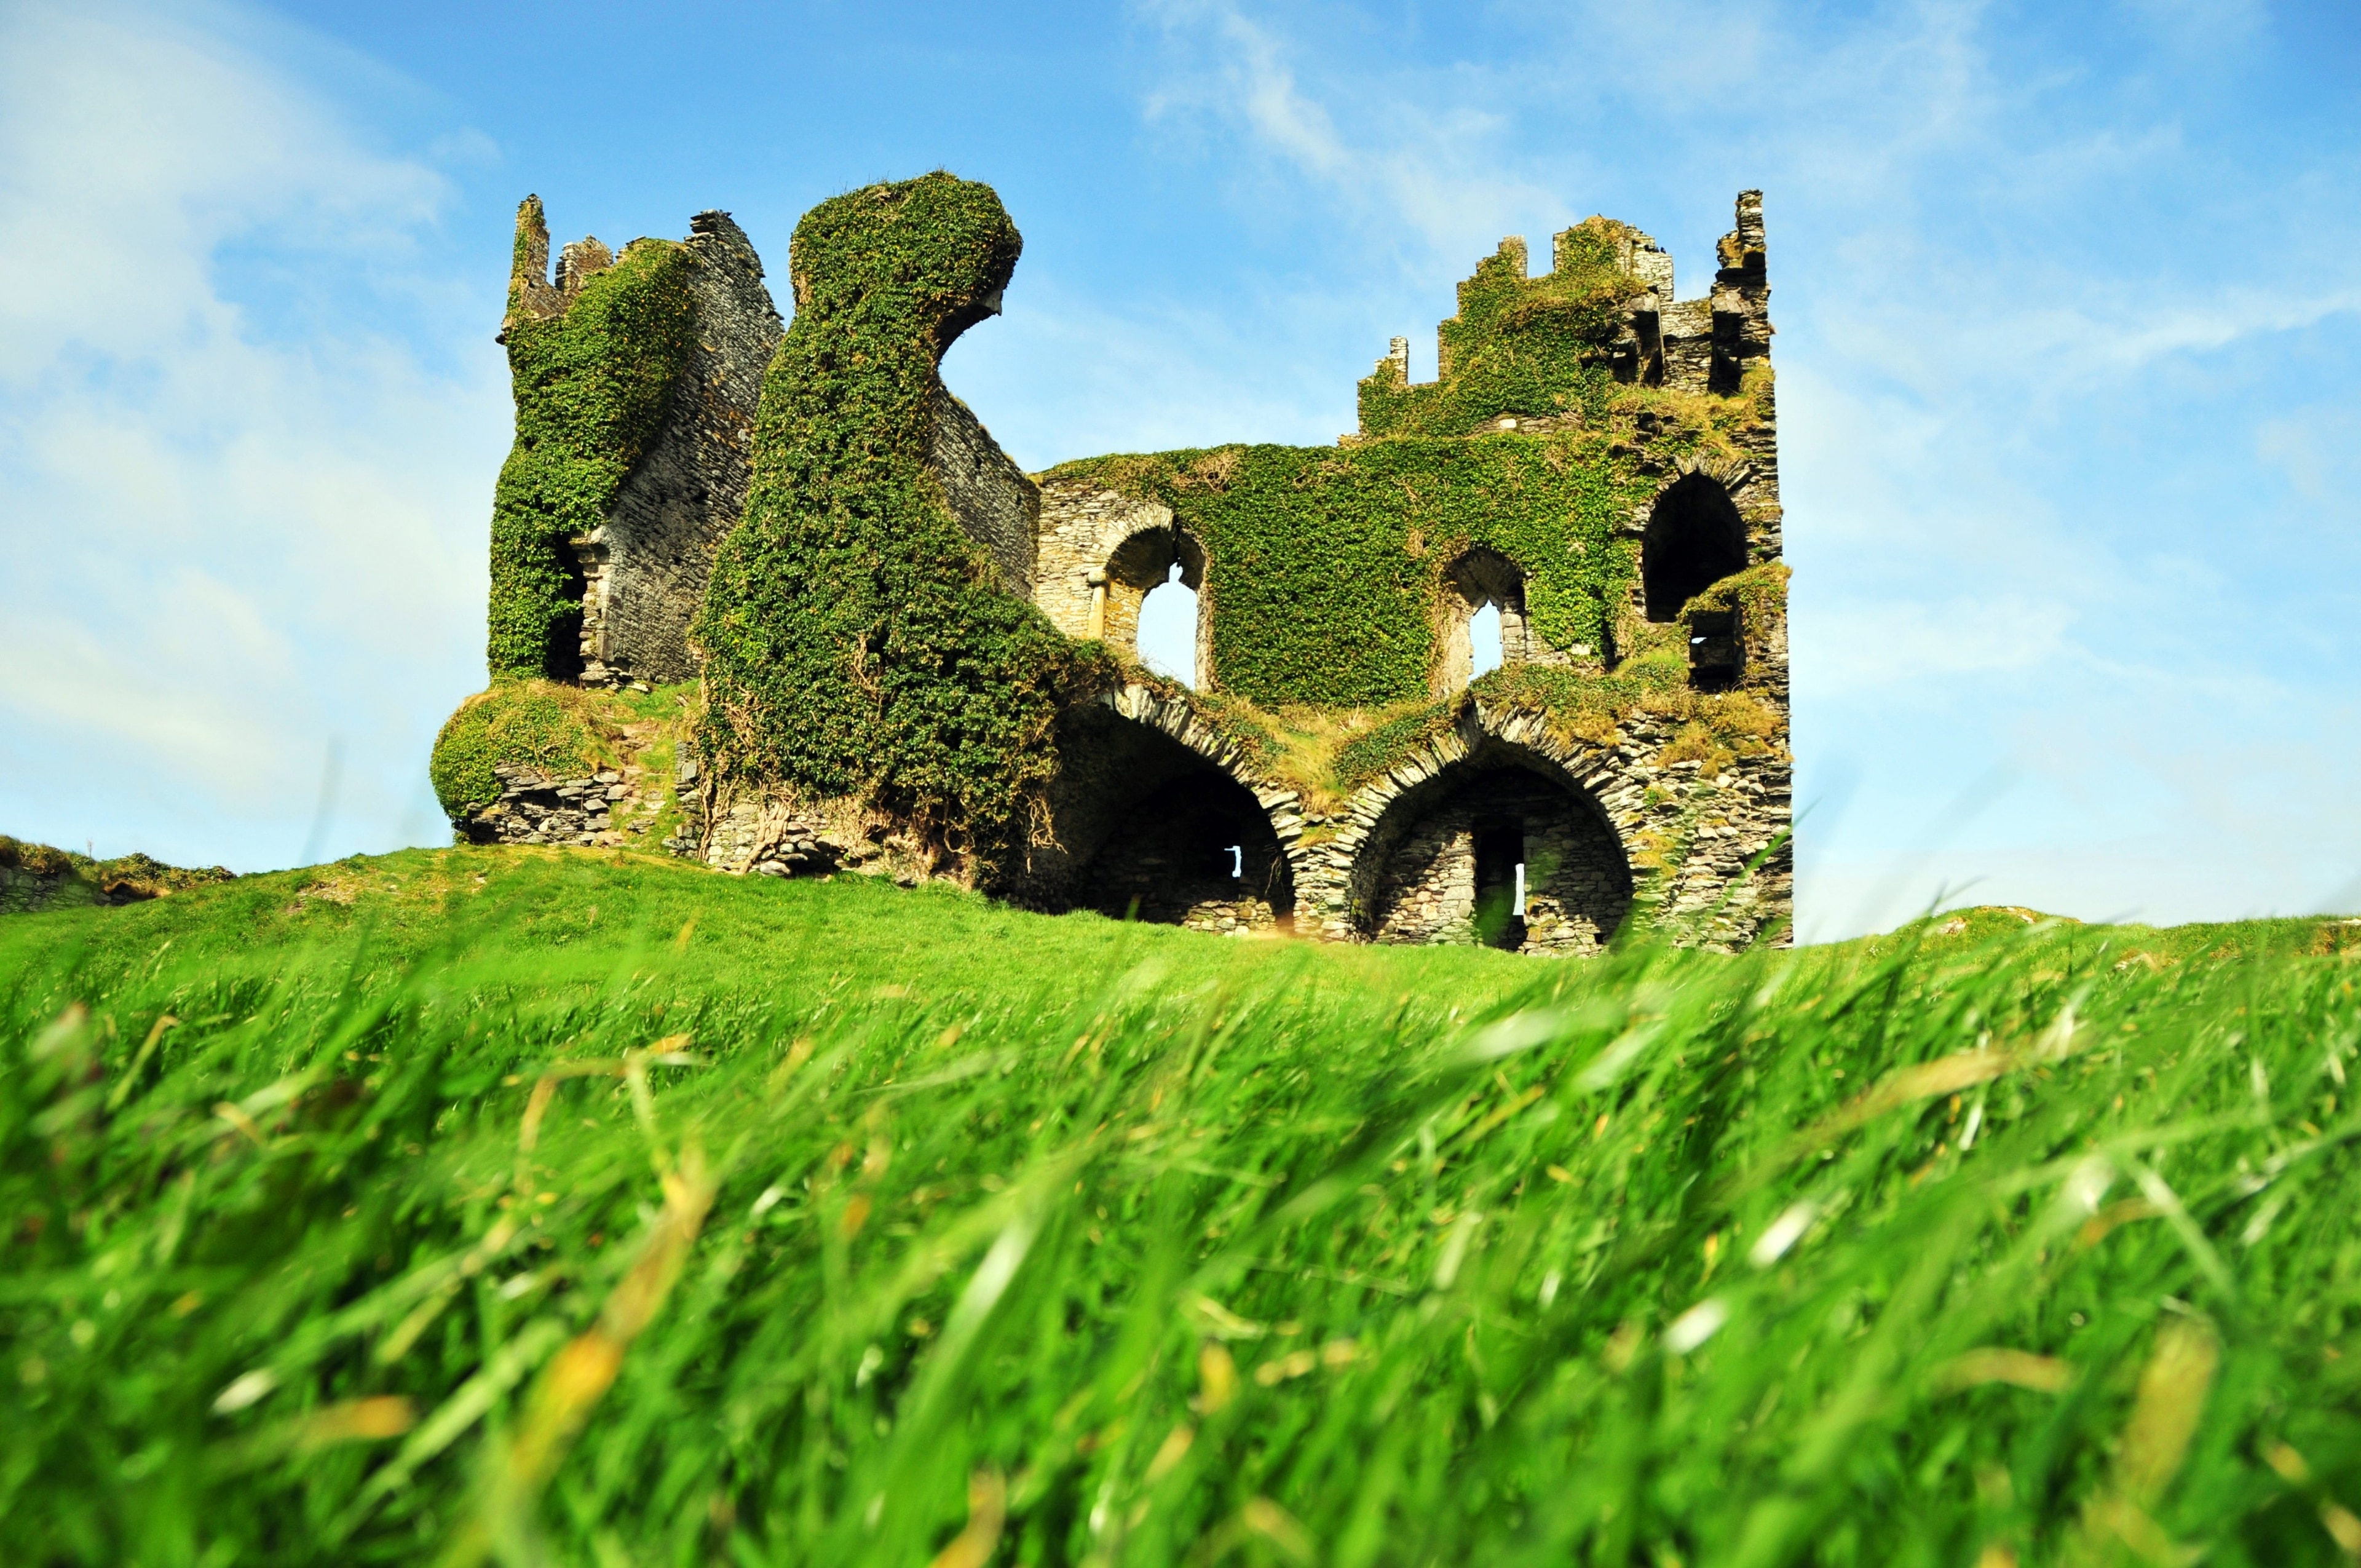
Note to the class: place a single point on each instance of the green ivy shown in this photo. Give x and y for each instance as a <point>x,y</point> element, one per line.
<point>1530,346</point>
<point>1324,565</point>
<point>592,387</point>
<point>857,643</point>
<point>524,723</point>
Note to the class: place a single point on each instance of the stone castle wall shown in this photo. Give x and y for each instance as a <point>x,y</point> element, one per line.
<point>996,503</point>
<point>644,569</point>
<point>1158,813</point>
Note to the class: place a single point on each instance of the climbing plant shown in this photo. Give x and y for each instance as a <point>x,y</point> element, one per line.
<point>592,385</point>
<point>546,726</point>
<point>857,643</point>
<point>1532,346</point>
<point>1324,565</point>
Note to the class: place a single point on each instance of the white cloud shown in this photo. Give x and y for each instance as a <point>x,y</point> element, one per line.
<point>1854,646</point>
<point>2319,452</point>
<point>241,522</point>
<point>2029,300</point>
<point>1437,171</point>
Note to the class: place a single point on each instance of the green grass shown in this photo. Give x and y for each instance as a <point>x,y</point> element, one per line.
<point>451,1221</point>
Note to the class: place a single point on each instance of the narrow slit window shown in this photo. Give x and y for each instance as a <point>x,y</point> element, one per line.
<point>1237,860</point>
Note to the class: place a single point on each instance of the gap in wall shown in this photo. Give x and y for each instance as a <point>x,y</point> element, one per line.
<point>1484,640</point>
<point>1167,629</point>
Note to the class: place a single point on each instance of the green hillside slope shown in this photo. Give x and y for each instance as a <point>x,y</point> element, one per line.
<point>478,1204</point>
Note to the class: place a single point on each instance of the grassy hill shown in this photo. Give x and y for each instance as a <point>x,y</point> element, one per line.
<point>548,1207</point>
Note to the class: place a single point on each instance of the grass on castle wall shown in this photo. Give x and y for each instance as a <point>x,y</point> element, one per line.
<point>592,387</point>
<point>561,731</point>
<point>1324,565</point>
<point>1326,753</point>
<point>475,1204</point>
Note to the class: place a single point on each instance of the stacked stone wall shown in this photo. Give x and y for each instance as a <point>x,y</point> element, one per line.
<point>537,809</point>
<point>644,569</point>
<point>996,505</point>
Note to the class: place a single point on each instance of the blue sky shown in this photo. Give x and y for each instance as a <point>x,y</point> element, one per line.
<point>2066,297</point>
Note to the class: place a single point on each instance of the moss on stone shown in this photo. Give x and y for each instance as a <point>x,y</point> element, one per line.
<point>858,643</point>
<point>35,877</point>
<point>544,725</point>
<point>1534,347</point>
<point>1326,753</point>
<point>1325,566</point>
<point>592,385</point>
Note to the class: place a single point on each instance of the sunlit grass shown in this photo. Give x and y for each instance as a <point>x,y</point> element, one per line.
<point>381,1214</point>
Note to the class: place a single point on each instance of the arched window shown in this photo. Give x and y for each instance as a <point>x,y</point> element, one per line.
<point>1149,601</point>
<point>1167,628</point>
<point>1695,539</point>
<point>1483,620</point>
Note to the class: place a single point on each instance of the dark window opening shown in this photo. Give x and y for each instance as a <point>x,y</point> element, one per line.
<point>1499,878</point>
<point>1198,847</point>
<point>1695,539</point>
<point>1716,655</point>
<point>563,660</point>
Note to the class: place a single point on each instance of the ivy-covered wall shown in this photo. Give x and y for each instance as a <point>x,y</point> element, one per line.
<point>1519,345</point>
<point>858,643</point>
<point>1324,565</point>
<point>594,361</point>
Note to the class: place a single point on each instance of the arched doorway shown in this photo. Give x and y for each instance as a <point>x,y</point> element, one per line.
<point>1141,826</point>
<point>1197,852</point>
<point>1498,850</point>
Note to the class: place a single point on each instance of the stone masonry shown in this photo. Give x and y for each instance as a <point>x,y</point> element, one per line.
<point>535,808</point>
<point>1154,795</point>
<point>644,569</point>
<point>996,505</point>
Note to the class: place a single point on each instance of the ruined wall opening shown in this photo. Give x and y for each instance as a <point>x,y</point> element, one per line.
<point>1167,629</point>
<point>1499,846</point>
<point>1501,851</point>
<point>1141,826</point>
<point>565,659</point>
<point>1483,625</point>
<point>1149,601</point>
<point>1196,852</point>
<point>1695,539</point>
<point>1486,648</point>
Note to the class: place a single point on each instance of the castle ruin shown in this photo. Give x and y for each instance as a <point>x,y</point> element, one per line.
<point>1596,464</point>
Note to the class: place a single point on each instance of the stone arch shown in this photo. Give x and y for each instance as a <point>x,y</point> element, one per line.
<point>1154,815</point>
<point>1436,864</point>
<point>1139,563</point>
<point>1339,880</point>
<point>1479,576</point>
<point>1696,536</point>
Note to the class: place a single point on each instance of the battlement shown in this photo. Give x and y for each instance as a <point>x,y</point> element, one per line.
<point>918,660</point>
<point>1521,344</point>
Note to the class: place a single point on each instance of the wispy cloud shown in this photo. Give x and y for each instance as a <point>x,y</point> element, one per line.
<point>242,520</point>
<point>2033,310</point>
<point>1430,166</point>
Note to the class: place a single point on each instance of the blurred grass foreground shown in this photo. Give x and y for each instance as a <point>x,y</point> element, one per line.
<point>515,1206</point>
